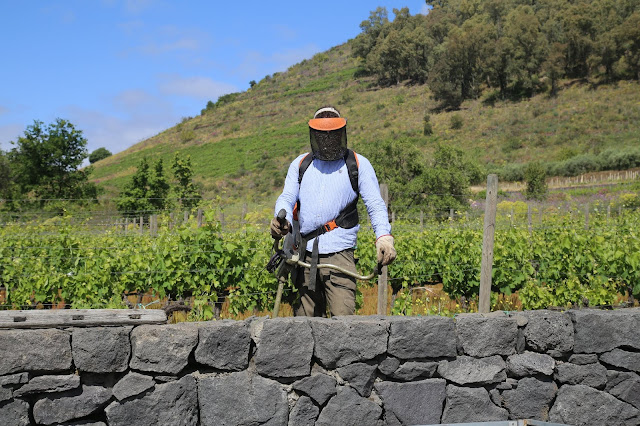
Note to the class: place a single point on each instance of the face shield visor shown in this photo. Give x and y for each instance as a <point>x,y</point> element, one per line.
<point>328,138</point>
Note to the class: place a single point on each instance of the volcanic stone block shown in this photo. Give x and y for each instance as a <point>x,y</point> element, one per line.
<point>5,394</point>
<point>132,384</point>
<point>242,399</point>
<point>162,348</point>
<point>594,375</point>
<point>304,413</point>
<point>583,359</point>
<point>548,331</point>
<point>470,405</point>
<point>360,376</point>
<point>14,413</point>
<point>468,370</point>
<point>48,384</point>
<point>344,341</point>
<point>598,331</point>
<point>47,350</point>
<point>224,345</point>
<point>624,386</point>
<point>348,408</point>
<point>424,337</point>
<point>583,405</point>
<point>320,387</point>
<point>412,403</point>
<point>285,348</point>
<point>101,349</point>
<point>483,337</point>
<point>67,406</point>
<point>412,370</point>
<point>388,365</point>
<point>530,364</point>
<point>14,379</point>
<point>623,359</point>
<point>531,399</point>
<point>173,403</point>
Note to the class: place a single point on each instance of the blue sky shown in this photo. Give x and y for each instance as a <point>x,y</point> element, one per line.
<point>124,70</point>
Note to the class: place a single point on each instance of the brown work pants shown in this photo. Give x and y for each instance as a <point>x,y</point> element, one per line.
<point>333,288</point>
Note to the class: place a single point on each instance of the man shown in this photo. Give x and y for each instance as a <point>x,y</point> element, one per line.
<point>323,187</point>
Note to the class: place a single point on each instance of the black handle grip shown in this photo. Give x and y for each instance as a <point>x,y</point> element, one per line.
<point>282,214</point>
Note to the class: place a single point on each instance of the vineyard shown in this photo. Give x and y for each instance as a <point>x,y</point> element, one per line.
<point>543,256</point>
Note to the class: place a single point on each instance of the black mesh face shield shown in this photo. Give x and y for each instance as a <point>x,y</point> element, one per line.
<point>328,145</point>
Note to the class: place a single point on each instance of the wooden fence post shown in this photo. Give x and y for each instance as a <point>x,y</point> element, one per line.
<point>484,303</point>
<point>141,224</point>
<point>421,220</point>
<point>529,218</point>
<point>186,216</point>
<point>199,218</point>
<point>382,278</point>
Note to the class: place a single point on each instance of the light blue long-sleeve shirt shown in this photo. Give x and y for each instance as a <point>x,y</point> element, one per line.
<point>325,190</point>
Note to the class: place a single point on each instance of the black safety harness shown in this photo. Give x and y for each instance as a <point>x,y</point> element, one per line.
<point>347,218</point>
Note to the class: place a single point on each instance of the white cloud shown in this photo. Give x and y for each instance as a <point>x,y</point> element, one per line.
<point>137,6</point>
<point>195,87</point>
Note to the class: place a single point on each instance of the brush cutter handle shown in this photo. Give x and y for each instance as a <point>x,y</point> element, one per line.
<point>355,275</point>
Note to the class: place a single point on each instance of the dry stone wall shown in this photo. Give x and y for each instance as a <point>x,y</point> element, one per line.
<point>579,367</point>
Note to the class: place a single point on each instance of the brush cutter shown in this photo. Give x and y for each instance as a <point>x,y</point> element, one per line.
<point>285,261</point>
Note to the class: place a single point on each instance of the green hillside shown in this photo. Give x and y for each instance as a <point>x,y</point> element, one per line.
<point>241,148</point>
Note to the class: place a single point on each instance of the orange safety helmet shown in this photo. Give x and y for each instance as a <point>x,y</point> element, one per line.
<point>328,134</point>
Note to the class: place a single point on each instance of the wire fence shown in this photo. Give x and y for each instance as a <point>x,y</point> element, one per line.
<point>35,236</point>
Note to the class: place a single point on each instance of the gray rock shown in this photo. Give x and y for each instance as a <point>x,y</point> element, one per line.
<point>15,413</point>
<point>623,359</point>
<point>5,394</point>
<point>470,405</point>
<point>548,332</point>
<point>624,386</point>
<point>422,337</point>
<point>411,370</point>
<point>483,337</point>
<point>341,342</point>
<point>47,350</point>
<point>67,406</point>
<point>48,384</point>
<point>174,403</point>
<point>162,348</point>
<point>242,399</point>
<point>14,379</point>
<point>594,375</point>
<point>304,413</point>
<point>598,331</point>
<point>360,376</point>
<point>165,378</point>
<point>101,349</point>
<point>388,365</point>
<point>285,348</point>
<point>348,408</point>
<point>224,345</point>
<point>530,364</point>
<point>132,384</point>
<point>583,359</point>
<point>467,370</point>
<point>582,405</point>
<point>85,423</point>
<point>510,383</point>
<point>320,387</point>
<point>414,402</point>
<point>531,399</point>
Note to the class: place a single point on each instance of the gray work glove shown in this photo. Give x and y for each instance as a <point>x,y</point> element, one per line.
<point>385,250</point>
<point>279,230</point>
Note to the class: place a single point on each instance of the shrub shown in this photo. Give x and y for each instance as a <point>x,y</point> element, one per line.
<point>456,122</point>
<point>428,128</point>
<point>536,177</point>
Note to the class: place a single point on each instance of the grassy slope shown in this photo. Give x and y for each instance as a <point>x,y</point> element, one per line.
<point>241,150</point>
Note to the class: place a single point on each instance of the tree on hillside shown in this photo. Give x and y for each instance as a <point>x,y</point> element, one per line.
<point>146,192</point>
<point>99,154</point>
<point>184,188</point>
<point>45,162</point>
